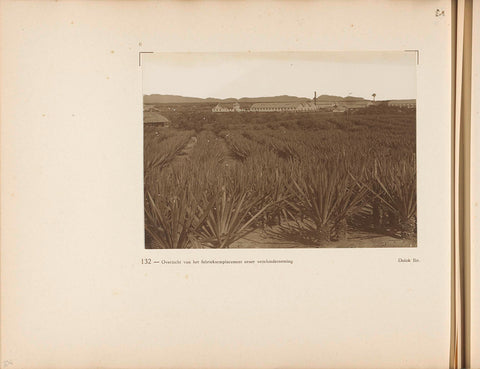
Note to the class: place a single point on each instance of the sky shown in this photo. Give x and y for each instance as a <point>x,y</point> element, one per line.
<point>390,74</point>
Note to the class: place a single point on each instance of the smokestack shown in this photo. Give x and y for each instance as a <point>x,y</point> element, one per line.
<point>315,98</point>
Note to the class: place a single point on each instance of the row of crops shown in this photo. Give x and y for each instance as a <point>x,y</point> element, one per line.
<point>319,185</point>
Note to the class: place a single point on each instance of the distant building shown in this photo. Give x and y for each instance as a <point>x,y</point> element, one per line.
<point>339,109</point>
<point>307,106</point>
<point>325,104</point>
<point>356,104</point>
<point>263,107</point>
<point>149,107</point>
<point>316,104</point>
<point>154,118</point>
<point>407,103</point>
<point>286,106</point>
<point>222,108</point>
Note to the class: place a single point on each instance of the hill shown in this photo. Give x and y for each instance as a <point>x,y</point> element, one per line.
<point>176,99</point>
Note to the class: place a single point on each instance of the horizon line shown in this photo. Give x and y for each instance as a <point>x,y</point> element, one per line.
<point>286,95</point>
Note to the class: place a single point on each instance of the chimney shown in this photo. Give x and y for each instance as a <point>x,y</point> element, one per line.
<point>315,98</point>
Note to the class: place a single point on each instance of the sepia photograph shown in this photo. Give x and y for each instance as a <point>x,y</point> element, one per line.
<point>280,150</point>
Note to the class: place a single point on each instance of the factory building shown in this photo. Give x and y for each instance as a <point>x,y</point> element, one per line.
<point>156,119</point>
<point>268,107</point>
<point>305,106</point>
<point>406,103</point>
<point>226,108</point>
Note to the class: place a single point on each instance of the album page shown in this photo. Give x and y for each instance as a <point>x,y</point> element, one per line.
<point>226,184</point>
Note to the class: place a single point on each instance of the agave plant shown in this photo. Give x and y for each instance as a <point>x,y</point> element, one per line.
<point>326,196</point>
<point>230,216</point>
<point>240,147</point>
<point>271,180</point>
<point>173,212</point>
<point>159,153</point>
<point>284,149</point>
<point>394,187</point>
<point>169,222</point>
<point>207,149</point>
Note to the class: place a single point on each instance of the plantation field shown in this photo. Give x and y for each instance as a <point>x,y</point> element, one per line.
<point>268,180</point>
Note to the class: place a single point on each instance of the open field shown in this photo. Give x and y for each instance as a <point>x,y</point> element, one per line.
<point>317,179</point>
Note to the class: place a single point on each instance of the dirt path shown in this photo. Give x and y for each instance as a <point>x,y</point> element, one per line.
<point>261,239</point>
<point>220,144</point>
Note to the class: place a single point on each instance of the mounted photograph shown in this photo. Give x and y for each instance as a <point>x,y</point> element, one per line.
<point>280,150</point>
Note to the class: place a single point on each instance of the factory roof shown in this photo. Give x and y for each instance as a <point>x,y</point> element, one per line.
<point>276,105</point>
<point>154,117</point>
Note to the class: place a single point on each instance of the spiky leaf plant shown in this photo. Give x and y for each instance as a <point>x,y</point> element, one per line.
<point>326,195</point>
<point>233,211</point>
<point>395,187</point>
<point>173,210</point>
<point>158,153</point>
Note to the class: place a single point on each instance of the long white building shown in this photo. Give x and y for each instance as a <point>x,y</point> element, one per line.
<point>296,106</point>
<point>406,103</point>
<point>275,106</point>
<point>306,106</point>
<point>227,109</point>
